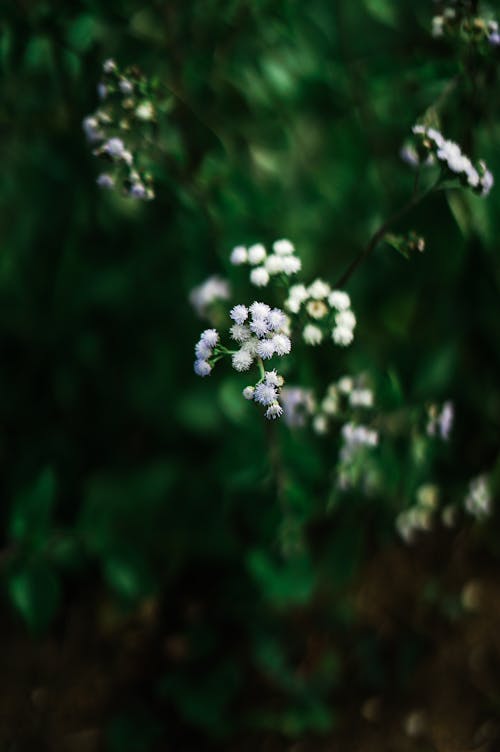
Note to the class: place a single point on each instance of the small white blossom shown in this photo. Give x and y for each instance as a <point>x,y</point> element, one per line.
<point>260,327</point>
<point>273,378</point>
<point>202,368</point>
<point>145,111</point>
<point>342,336</point>
<point>320,424</point>
<point>210,337</point>
<point>361,398</point>
<point>317,309</point>
<point>283,247</point>
<point>109,66</point>
<point>114,147</point>
<point>274,411</point>
<point>345,385</point>
<point>276,319</point>
<point>282,344</point>
<point>125,86</point>
<point>478,501</point>
<point>239,333</point>
<point>203,350</point>
<point>259,276</point>
<point>265,349</point>
<point>312,335</point>
<point>248,392</point>
<point>339,300</point>
<point>239,314</point>
<point>105,181</point>
<point>213,289</point>
<point>319,289</point>
<point>91,129</point>
<point>256,254</point>
<point>291,265</point>
<point>274,264</point>
<point>239,255</point>
<point>266,394</point>
<point>242,360</point>
<point>345,319</point>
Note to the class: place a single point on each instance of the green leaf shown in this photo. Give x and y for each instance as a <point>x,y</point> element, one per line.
<point>32,510</point>
<point>35,592</point>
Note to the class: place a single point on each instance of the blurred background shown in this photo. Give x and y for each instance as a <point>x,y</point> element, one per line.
<point>163,586</point>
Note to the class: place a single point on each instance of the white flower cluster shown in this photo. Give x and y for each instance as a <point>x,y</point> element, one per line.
<point>478,501</point>
<point>266,265</point>
<point>120,114</point>
<point>261,332</point>
<point>298,405</point>
<point>449,154</point>
<point>205,349</point>
<point>352,467</point>
<point>325,310</point>
<point>454,21</point>
<point>440,421</point>
<point>420,516</point>
<point>267,392</point>
<point>346,394</point>
<point>210,291</point>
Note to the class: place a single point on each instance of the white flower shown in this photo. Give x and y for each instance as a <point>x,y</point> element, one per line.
<point>250,345</point>
<point>109,66</point>
<point>114,147</point>
<point>274,411</point>
<point>259,276</point>
<point>273,378</point>
<point>239,314</point>
<point>296,296</point>
<point>339,300</point>
<point>291,265</point>
<point>259,310</point>
<point>239,255</point>
<point>345,319</point>
<point>202,368</point>
<point>330,405</point>
<point>276,319</point>
<point>248,392</point>
<point>239,333</point>
<point>137,190</point>
<point>266,349</point>
<point>274,264</point>
<point>361,398</point>
<point>102,90</point>
<point>478,501</point>
<point>213,289</point>
<point>105,181</point>
<point>256,254</point>
<point>127,157</point>
<point>259,327</point>
<point>342,335</point>
<point>297,403</point>
<point>320,424</point>
<point>266,394</point>
<point>210,337</point>
<point>203,350</point>
<point>242,360</point>
<point>312,335</point>
<point>282,344</point>
<point>345,384</point>
<point>319,289</point>
<point>90,127</point>
<point>125,86</point>
<point>283,247</point>
<point>145,111</point>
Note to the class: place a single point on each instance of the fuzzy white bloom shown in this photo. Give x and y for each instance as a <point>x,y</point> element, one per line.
<point>260,327</point>
<point>342,335</point>
<point>274,264</point>
<point>248,392</point>
<point>312,334</point>
<point>210,337</point>
<point>105,181</point>
<point>345,319</point>
<point>259,310</point>
<point>339,300</point>
<point>361,398</point>
<point>109,65</point>
<point>202,368</point>
<point>114,147</point>
<point>256,254</point>
<point>298,404</point>
<point>437,27</point>
<point>91,129</point>
<point>274,411</point>
<point>282,344</point>
<point>330,405</point>
<point>319,289</point>
<point>320,424</point>
<point>266,394</point>
<point>259,276</point>
<point>242,360</point>
<point>296,296</point>
<point>345,385</point>
<point>283,247</point>
<point>478,501</point>
<point>239,255</point>
<point>359,435</point>
<point>138,190</point>
<point>291,265</point>
<point>125,86</point>
<point>145,111</point>
<point>203,350</point>
<point>273,378</point>
<point>213,289</point>
<point>266,349</point>
<point>250,345</point>
<point>239,314</point>
<point>276,319</point>
<point>239,333</point>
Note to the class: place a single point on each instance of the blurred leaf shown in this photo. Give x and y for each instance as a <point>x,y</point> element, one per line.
<point>35,592</point>
<point>32,509</point>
